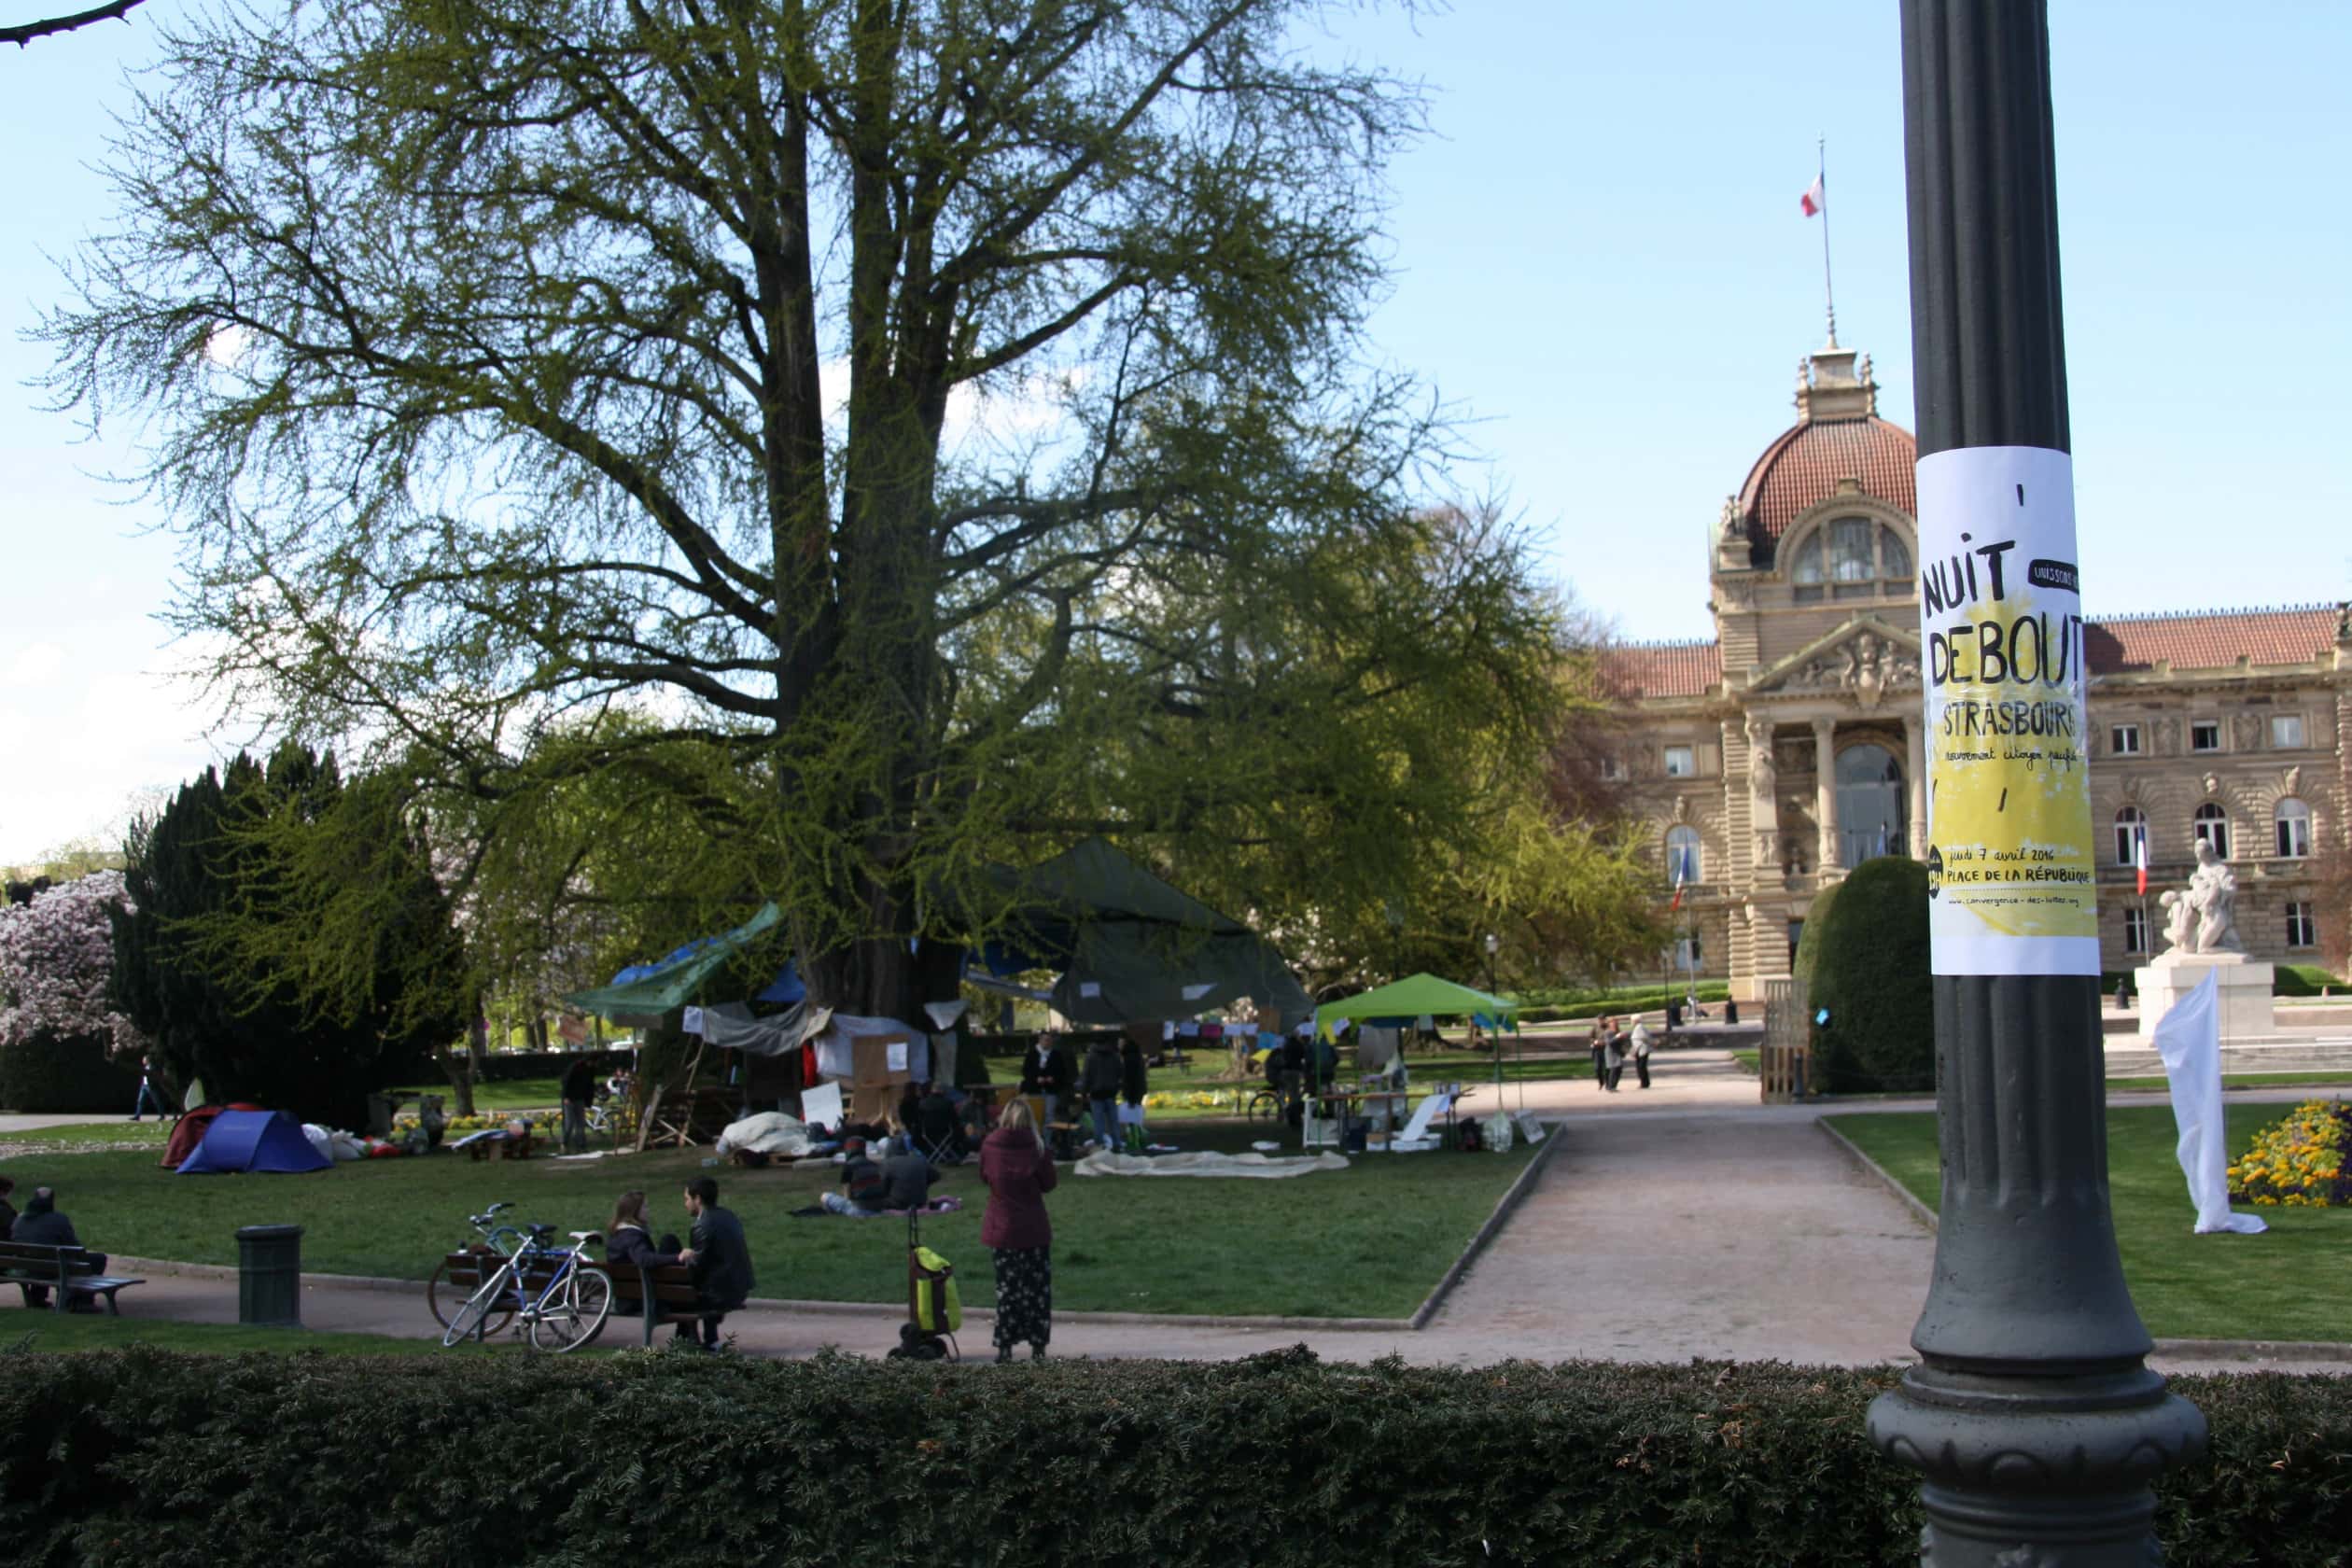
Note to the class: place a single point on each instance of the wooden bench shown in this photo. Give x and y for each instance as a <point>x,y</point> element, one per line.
<point>654,1296</point>
<point>63,1270</point>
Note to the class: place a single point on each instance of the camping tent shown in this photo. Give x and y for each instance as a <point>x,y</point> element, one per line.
<point>266,1140</point>
<point>1129,945</point>
<point>1413,996</point>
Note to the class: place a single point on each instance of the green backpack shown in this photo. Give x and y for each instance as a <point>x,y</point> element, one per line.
<point>938,1304</point>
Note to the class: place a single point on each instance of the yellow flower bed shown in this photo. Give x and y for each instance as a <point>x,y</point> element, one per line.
<point>1198,1099</point>
<point>2301,1159</point>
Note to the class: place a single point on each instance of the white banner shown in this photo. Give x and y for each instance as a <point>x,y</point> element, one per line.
<point>2011,880</point>
<point>2189,1038</point>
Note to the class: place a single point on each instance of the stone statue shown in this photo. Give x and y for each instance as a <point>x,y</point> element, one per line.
<point>1761,784</point>
<point>2213,893</point>
<point>1869,675</point>
<point>1732,524</point>
<point>2179,916</point>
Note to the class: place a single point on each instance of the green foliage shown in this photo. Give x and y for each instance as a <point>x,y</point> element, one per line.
<point>524,464</point>
<point>1808,960</point>
<point>1580,1000</point>
<point>73,1073</point>
<point>146,1459</point>
<point>2303,980</point>
<point>221,961</point>
<point>1870,972</point>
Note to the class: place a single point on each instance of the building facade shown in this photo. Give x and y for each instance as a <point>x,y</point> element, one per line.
<point>1771,759</point>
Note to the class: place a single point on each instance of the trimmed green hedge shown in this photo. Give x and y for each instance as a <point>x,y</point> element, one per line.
<point>154,1460</point>
<point>1870,972</point>
<point>2302,980</point>
<point>48,1074</point>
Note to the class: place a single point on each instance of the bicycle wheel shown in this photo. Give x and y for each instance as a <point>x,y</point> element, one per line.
<point>439,1290</point>
<point>577,1316</point>
<point>1264,1106</point>
<point>495,1294</point>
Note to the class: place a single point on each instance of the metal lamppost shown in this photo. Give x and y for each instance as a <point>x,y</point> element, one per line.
<point>2032,1415</point>
<point>1495,945</point>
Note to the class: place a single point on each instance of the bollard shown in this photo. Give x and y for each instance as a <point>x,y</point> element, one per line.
<point>270,1276</point>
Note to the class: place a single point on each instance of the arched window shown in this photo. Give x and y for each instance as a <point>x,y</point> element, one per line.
<point>2212,826</point>
<point>2131,830</point>
<point>1870,802</point>
<point>1683,863</point>
<point>1850,558</point>
<point>2293,819</point>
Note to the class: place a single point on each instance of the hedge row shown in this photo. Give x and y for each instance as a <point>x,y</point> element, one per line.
<point>51,1074</point>
<point>149,1458</point>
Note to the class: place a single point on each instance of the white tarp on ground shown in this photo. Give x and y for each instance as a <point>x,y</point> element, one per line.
<point>2189,1038</point>
<point>770,1132</point>
<point>1205,1163</point>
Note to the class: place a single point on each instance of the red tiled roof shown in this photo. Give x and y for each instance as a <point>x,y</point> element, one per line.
<point>1804,466</point>
<point>1663,670</point>
<point>2211,639</point>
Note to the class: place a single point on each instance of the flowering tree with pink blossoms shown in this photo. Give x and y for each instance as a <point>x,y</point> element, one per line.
<point>56,954</point>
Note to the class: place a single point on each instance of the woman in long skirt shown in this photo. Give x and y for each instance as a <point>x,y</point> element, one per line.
<point>1019,1173</point>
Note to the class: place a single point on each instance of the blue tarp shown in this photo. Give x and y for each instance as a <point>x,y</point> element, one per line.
<point>264,1141</point>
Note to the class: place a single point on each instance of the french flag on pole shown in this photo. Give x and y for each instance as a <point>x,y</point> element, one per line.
<point>1679,868</point>
<point>1811,201</point>
<point>2139,859</point>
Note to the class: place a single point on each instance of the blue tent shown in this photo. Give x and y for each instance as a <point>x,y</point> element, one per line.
<point>270,1140</point>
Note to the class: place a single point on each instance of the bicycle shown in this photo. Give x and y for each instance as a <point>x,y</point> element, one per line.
<point>494,1237</point>
<point>567,1312</point>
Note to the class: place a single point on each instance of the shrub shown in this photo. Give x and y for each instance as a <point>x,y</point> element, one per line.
<point>2304,1158</point>
<point>148,1459</point>
<point>1808,957</point>
<point>2301,980</point>
<point>1870,972</point>
<point>69,1072</point>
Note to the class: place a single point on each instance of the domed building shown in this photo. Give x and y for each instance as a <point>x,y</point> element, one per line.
<point>1777,756</point>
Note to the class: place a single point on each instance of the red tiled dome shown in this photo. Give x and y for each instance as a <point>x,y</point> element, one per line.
<point>1803,468</point>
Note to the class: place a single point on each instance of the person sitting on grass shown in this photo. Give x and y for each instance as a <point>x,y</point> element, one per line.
<point>906,1177</point>
<point>720,1256</point>
<point>862,1178</point>
<point>44,1224</point>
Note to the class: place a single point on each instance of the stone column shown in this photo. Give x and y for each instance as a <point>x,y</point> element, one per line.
<point>1826,794</point>
<point>1915,780</point>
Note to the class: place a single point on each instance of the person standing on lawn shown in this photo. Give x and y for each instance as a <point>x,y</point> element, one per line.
<point>579,1090</point>
<point>1046,1072</point>
<point>719,1257</point>
<point>1017,1232</point>
<point>1641,1051</point>
<point>1101,1078</point>
<point>1135,1081</point>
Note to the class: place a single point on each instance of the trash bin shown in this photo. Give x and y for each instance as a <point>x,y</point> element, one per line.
<point>270,1276</point>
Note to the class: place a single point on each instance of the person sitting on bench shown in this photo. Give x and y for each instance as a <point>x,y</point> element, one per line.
<point>43,1224</point>
<point>936,1128</point>
<point>8,1210</point>
<point>628,1241</point>
<point>720,1258</point>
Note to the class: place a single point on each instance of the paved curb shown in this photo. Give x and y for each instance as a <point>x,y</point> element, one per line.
<point>2184,1349</point>
<point>1919,1212</point>
<point>885,1310</point>
<point>1554,1136</point>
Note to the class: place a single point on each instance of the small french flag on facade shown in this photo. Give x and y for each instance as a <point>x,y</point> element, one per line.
<point>2140,859</point>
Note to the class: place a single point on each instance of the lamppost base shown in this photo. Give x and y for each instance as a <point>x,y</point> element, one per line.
<point>2037,1472</point>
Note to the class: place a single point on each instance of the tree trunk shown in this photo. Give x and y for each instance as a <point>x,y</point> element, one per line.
<point>458,1068</point>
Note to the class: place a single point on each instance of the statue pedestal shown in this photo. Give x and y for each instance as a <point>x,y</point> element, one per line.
<point>2243,985</point>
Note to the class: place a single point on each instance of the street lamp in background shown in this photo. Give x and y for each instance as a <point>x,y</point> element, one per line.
<point>2031,1416</point>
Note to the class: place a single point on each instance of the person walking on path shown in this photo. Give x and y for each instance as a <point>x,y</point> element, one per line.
<point>1135,1081</point>
<point>1017,1232</point>
<point>1603,1030</point>
<point>1641,1051</point>
<point>719,1257</point>
<point>1102,1076</point>
<point>148,1095</point>
<point>1613,1061</point>
<point>579,1090</point>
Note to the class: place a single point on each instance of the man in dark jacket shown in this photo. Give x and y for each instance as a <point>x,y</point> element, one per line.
<point>718,1255</point>
<point>906,1177</point>
<point>1046,1071</point>
<point>1102,1076</point>
<point>580,1092</point>
<point>43,1224</point>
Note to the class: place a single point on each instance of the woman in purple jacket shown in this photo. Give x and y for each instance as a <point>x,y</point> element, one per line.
<point>1019,1173</point>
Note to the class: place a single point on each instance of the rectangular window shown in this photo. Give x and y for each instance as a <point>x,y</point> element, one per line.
<point>2300,931</point>
<point>2287,731</point>
<point>1613,769</point>
<point>1687,955</point>
<point>1680,764</point>
<point>2204,735</point>
<point>2135,928</point>
<point>1796,935</point>
<point>2124,740</point>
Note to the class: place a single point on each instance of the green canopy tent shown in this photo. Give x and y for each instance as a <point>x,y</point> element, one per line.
<point>1417,994</point>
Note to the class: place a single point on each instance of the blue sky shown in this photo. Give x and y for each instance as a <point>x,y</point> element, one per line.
<point>1600,263</point>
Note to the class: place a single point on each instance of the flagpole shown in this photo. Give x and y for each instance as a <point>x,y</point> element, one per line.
<point>1821,174</point>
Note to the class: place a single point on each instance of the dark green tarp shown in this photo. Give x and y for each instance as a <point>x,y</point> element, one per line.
<point>676,981</point>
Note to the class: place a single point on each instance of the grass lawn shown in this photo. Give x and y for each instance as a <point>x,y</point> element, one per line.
<point>2284,1285</point>
<point>2247,1081</point>
<point>1751,1060</point>
<point>1368,1241</point>
<point>77,1331</point>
